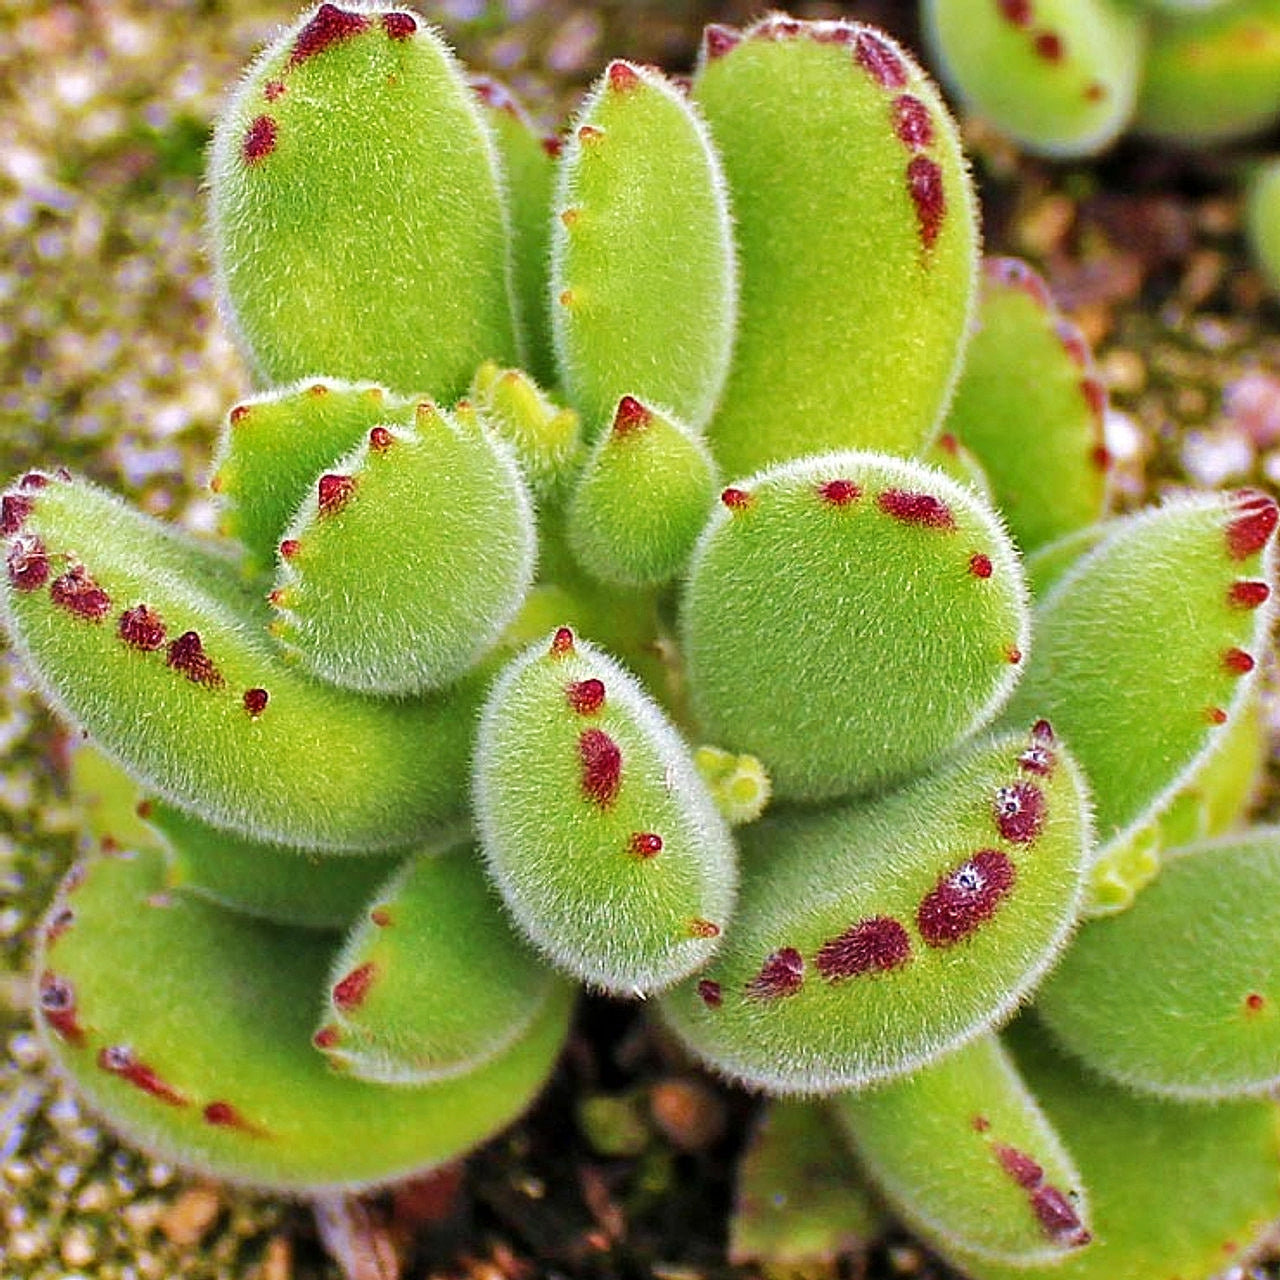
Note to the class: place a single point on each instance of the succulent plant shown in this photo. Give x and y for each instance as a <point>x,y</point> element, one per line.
<point>488,682</point>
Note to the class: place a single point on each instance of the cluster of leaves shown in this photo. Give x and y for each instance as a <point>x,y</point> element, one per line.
<point>1066,77</point>
<point>604,491</point>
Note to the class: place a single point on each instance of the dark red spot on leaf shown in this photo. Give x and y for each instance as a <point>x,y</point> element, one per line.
<point>1013,273</point>
<point>255,701</point>
<point>928,193</point>
<point>330,26</point>
<point>631,416</point>
<point>912,122</point>
<point>381,916</point>
<point>779,28</point>
<point>588,134</point>
<point>1254,1002</point>
<point>33,480</point>
<point>586,697</point>
<point>880,60</point>
<point>399,26</point>
<point>142,628</point>
<point>980,1124</point>
<point>238,414</point>
<point>553,146</point>
<point>14,509</point>
<point>700,928</point>
<point>948,443</point>
<point>710,994</point>
<point>224,1116</point>
<point>1012,654</point>
<point>1019,1166</point>
<point>1095,395</point>
<point>1100,457</point>
<point>1020,812</point>
<point>1058,1218</point>
<point>966,898</point>
<point>59,923</point>
<point>980,565</point>
<point>622,78</point>
<point>76,592</point>
<point>1215,715</point>
<point>1248,595</point>
<point>1049,46</point>
<point>1255,522</point>
<point>335,492</point>
<point>118,1060</point>
<point>259,140</point>
<point>646,844</point>
<point>1017,12</point>
<point>1095,92</point>
<point>921,509</point>
<point>289,548</point>
<point>58,1006</point>
<point>350,992</point>
<point>327,1037</point>
<point>272,90</point>
<point>717,40</point>
<point>562,642</point>
<point>839,493</point>
<point>782,974</point>
<point>601,761</point>
<point>186,654</point>
<point>1038,758</point>
<point>1072,342</point>
<point>736,499</point>
<point>875,945</point>
<point>380,439</point>
<point>27,562</point>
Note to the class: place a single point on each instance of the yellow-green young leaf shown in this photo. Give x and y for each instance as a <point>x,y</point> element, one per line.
<point>595,824</point>
<point>1214,76</point>
<point>1174,1189</point>
<point>358,218</point>
<point>1030,404</point>
<point>965,1156</point>
<point>528,165</point>
<point>1180,994</point>
<point>1058,76</point>
<point>432,981</point>
<point>274,445</point>
<point>643,498</point>
<point>406,562</point>
<point>869,939</point>
<point>290,886</point>
<point>1148,646</point>
<point>801,1200</point>
<point>1263,220</point>
<point>189,1028</point>
<point>642,269</point>
<point>848,618</point>
<point>857,241</point>
<point>147,641</point>
<point>546,438</point>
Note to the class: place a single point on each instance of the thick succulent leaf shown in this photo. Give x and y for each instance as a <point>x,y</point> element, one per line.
<point>955,459</point>
<point>145,639</point>
<point>1030,404</point>
<point>642,268</point>
<point>189,1027</point>
<point>1146,649</point>
<point>528,167</point>
<point>546,438</point>
<point>643,498</point>
<point>1180,994</point>
<point>1174,1189</point>
<point>431,981</point>
<point>274,445</point>
<point>848,618</point>
<point>322,191</point>
<point>1058,76</point>
<point>1214,76</point>
<point>1047,564</point>
<point>595,824</point>
<point>801,1201</point>
<point>290,886</point>
<point>1263,220</point>
<point>857,236</point>
<point>406,562</point>
<point>870,939</point>
<point>967,1159</point>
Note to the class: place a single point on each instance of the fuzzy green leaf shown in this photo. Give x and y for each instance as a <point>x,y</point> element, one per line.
<point>642,270</point>
<point>848,618</point>
<point>352,145</point>
<point>870,939</point>
<point>189,1027</point>
<point>595,824</point>
<point>964,1155</point>
<point>857,237</point>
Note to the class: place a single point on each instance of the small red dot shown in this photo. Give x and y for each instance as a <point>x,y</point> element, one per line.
<point>980,565</point>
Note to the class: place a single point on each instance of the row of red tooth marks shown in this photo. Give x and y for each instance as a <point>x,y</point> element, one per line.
<point>1256,517</point>
<point>959,904</point>
<point>1247,594</point>
<point>922,509</point>
<point>1021,13</point>
<point>59,922</point>
<point>57,1000</point>
<point>1053,1209</point>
